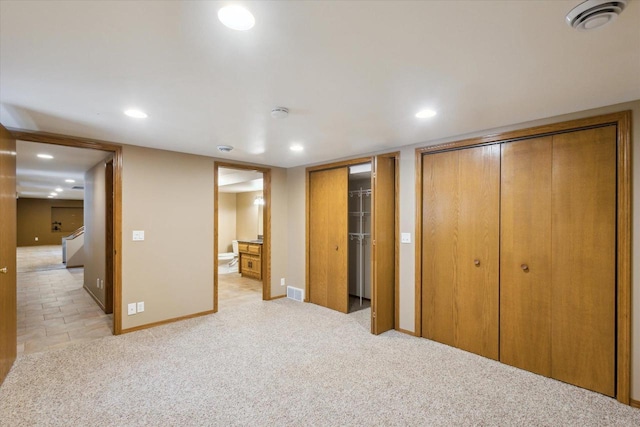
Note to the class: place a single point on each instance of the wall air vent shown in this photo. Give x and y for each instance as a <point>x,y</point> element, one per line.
<point>295,293</point>
<point>594,13</point>
<point>78,187</point>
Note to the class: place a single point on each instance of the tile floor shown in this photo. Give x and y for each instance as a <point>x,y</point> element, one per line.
<point>234,290</point>
<point>54,310</point>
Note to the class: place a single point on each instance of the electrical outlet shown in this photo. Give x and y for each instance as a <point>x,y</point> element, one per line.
<point>282,282</point>
<point>131,308</point>
<point>101,284</point>
<point>140,306</point>
<point>405,238</point>
<point>138,235</point>
<point>98,283</point>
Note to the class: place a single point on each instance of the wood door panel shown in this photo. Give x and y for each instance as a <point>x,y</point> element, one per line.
<point>439,243</point>
<point>328,239</point>
<point>8,303</point>
<point>525,294</point>
<point>476,289</point>
<point>584,259</point>
<point>461,225</point>
<point>384,250</point>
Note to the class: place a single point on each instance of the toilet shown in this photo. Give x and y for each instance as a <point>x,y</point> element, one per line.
<point>229,259</point>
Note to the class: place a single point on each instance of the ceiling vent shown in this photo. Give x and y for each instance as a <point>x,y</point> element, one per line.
<point>279,112</point>
<point>594,13</point>
<point>225,148</point>
<point>78,187</point>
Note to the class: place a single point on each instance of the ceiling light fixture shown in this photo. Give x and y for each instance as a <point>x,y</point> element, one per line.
<point>593,14</point>
<point>259,200</point>
<point>45,156</point>
<point>59,190</point>
<point>53,194</point>
<point>236,18</point>
<point>425,114</point>
<point>136,114</point>
<point>70,181</point>
<point>49,197</point>
<point>296,147</point>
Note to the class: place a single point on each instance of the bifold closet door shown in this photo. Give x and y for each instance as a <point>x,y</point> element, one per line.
<point>384,249</point>
<point>460,240</point>
<point>525,255</point>
<point>583,305</point>
<point>328,239</point>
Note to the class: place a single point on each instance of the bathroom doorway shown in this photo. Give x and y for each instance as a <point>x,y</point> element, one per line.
<point>241,238</point>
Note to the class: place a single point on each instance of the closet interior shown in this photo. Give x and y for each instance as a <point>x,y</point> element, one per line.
<point>360,195</point>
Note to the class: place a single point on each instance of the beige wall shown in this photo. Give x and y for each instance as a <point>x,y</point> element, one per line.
<point>248,216</point>
<point>34,220</point>
<point>95,228</point>
<point>227,221</point>
<point>296,250</point>
<point>170,196</point>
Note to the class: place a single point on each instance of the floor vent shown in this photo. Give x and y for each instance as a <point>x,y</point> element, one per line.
<point>295,293</point>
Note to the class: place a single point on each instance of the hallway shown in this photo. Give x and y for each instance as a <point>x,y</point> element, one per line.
<point>54,311</point>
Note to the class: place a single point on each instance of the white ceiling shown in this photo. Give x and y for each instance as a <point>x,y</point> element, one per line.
<point>352,73</point>
<point>36,178</point>
<point>239,180</point>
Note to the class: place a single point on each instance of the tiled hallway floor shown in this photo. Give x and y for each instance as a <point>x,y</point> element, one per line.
<point>54,310</point>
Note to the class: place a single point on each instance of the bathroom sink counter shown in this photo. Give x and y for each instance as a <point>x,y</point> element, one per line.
<point>250,252</point>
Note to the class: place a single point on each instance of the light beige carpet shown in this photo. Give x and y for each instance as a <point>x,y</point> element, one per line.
<point>286,363</point>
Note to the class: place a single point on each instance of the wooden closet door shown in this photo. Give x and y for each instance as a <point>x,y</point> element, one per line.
<point>460,256</point>
<point>584,259</point>
<point>328,239</point>
<point>525,255</point>
<point>384,249</point>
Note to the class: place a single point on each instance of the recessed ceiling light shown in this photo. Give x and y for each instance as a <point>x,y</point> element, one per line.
<point>136,114</point>
<point>425,114</point>
<point>236,18</point>
<point>296,147</point>
<point>45,156</point>
<point>53,194</point>
<point>49,197</point>
<point>70,181</point>
<point>59,190</point>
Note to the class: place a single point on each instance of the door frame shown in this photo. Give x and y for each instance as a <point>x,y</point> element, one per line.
<point>622,121</point>
<point>352,162</point>
<point>266,227</point>
<point>116,149</point>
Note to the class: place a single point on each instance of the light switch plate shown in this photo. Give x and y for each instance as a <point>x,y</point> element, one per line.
<point>405,238</point>
<point>140,307</point>
<point>131,308</point>
<point>138,235</point>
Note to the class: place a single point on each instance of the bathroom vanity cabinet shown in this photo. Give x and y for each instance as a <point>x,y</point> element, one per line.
<point>250,253</point>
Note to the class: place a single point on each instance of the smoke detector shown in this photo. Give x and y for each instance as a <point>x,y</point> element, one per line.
<point>594,13</point>
<point>279,112</point>
<point>225,148</point>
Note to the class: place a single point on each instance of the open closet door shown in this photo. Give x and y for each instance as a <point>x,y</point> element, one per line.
<point>8,317</point>
<point>384,245</point>
<point>328,239</point>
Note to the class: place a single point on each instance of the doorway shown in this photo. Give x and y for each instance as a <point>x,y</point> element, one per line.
<point>242,250</point>
<point>109,191</point>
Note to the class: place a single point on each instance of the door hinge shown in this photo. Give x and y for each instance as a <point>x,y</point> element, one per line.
<point>374,314</point>
<point>374,242</point>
